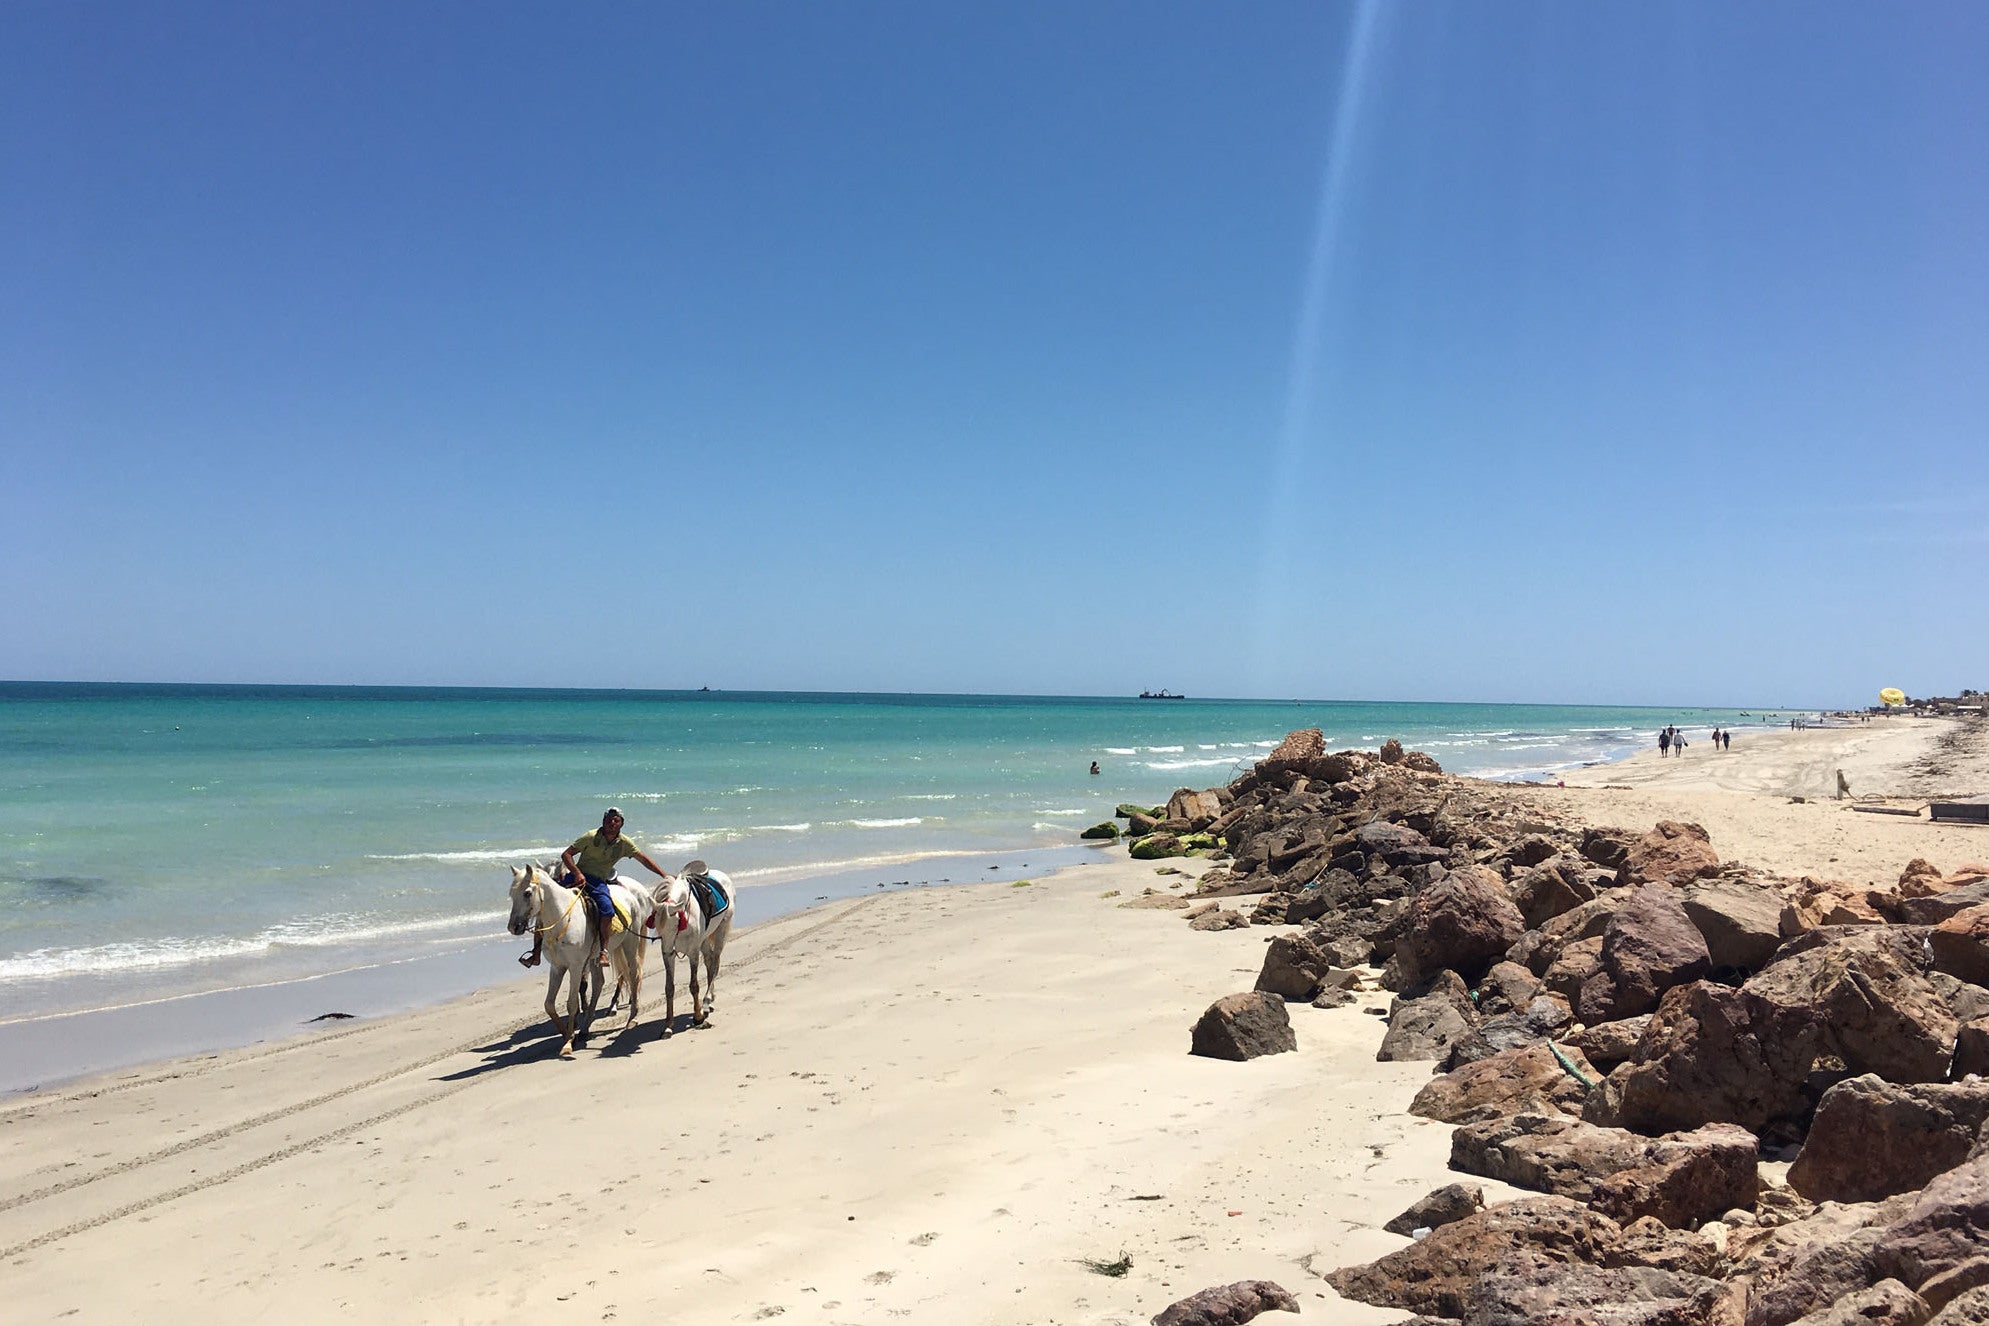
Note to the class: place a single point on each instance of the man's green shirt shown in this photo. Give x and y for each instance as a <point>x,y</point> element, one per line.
<point>597,856</point>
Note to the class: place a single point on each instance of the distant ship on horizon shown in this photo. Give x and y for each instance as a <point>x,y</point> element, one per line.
<point>1162,694</point>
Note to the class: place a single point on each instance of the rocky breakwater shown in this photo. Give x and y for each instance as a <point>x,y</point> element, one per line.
<point>1629,1025</point>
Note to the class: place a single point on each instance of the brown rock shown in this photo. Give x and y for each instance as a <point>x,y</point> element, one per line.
<point>1740,920</point>
<point>1228,1305</point>
<point>1219,918</point>
<point>1573,1294</point>
<point>1243,1026</point>
<point>1970,1308</point>
<point>1649,946</point>
<point>1686,1178</point>
<point>1440,1274</point>
<point>1293,965</point>
<point>1197,810</point>
<point>1507,987</point>
<point>1426,1027</point>
<point>1529,1080</point>
<point>1609,848</point>
<point>1679,1180</point>
<point>1944,1225</point>
<point>1550,888</point>
<point>1961,944</point>
<point>1711,1054</point>
<point>1865,987</point>
<point>1932,910</point>
<point>1390,752</point>
<point>1872,1138</point>
<point>1672,853</point>
<point>1887,1303</point>
<point>1463,922</point>
<point>1577,964</point>
<point>1307,743</point>
<point>1447,1204</point>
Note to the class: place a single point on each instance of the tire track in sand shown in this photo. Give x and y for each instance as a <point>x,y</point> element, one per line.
<point>773,948</point>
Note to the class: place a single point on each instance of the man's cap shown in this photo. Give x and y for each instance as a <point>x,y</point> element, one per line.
<point>612,811</point>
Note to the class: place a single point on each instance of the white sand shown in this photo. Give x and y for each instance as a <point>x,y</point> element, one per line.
<point>926,1105</point>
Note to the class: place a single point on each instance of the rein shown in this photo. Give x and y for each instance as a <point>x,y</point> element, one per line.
<point>560,925</point>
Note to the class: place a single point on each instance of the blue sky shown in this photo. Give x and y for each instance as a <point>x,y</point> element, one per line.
<point>1438,351</point>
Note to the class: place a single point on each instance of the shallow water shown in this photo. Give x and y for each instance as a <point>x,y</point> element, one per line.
<point>162,839</point>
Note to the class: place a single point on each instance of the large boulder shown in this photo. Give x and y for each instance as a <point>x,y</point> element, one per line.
<point>1943,1226</point>
<point>1537,949</point>
<point>1200,809</point>
<point>1243,1026</point>
<point>1551,887</point>
<point>1157,846</point>
<point>1680,1179</point>
<point>1573,968</point>
<point>1969,1308</point>
<point>1293,753</point>
<point>1397,844</point>
<point>1740,920</point>
<point>1228,1305</point>
<point>1445,1205</point>
<point>1960,944</point>
<point>1805,1265</point>
<point>1711,1054</point>
<point>1475,1268</point>
<point>1934,909</point>
<point>1872,1138</point>
<point>1576,1294</point>
<point>1867,989</point>
<point>1672,853</point>
<point>1293,966</point>
<point>1463,922</point>
<point>1649,946</point>
<point>1545,1017</point>
<point>1427,1026</point>
<point>1686,1178</point>
<point>1887,1303</point>
<point>1524,1081</point>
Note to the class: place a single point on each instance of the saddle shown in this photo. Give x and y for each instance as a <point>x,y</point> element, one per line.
<point>709,897</point>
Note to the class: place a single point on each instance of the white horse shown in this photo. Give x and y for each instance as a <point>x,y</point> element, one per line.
<point>681,929</point>
<point>558,915</point>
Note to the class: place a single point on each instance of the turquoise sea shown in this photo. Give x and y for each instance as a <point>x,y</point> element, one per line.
<point>161,839</point>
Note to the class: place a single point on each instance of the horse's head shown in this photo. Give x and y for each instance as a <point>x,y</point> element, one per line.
<point>671,895</point>
<point>524,898</point>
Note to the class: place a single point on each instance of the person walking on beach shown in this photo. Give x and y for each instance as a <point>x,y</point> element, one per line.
<point>1726,741</point>
<point>1664,743</point>
<point>590,866</point>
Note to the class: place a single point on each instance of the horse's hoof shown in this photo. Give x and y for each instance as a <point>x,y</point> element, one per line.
<point>566,1051</point>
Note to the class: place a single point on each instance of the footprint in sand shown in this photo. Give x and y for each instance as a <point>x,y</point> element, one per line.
<point>879,1277</point>
<point>924,1240</point>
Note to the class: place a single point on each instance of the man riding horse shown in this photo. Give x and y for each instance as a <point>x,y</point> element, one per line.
<point>590,865</point>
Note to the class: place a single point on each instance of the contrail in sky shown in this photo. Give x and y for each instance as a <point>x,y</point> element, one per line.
<point>1282,511</point>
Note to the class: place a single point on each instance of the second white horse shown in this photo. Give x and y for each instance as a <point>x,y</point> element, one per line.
<point>682,928</point>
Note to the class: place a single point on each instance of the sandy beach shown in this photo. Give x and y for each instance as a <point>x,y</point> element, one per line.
<point>928,1105</point>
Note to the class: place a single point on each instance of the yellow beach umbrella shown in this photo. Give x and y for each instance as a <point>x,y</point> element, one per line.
<point>1892,695</point>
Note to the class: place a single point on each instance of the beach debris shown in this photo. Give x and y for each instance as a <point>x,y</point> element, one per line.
<point>331,1017</point>
<point>1243,1026</point>
<point>1099,1266</point>
<point>1228,1305</point>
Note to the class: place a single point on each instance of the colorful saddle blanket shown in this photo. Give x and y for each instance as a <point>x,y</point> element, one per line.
<point>710,898</point>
